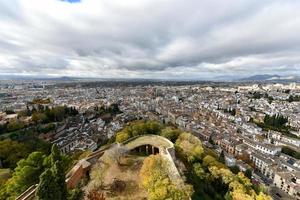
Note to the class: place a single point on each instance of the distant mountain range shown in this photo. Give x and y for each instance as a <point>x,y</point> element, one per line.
<point>225,78</point>
<point>271,77</point>
<point>21,77</point>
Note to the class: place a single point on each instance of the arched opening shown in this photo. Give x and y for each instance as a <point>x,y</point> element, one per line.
<point>145,150</point>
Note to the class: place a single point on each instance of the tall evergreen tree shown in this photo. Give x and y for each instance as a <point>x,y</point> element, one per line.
<point>248,174</point>
<point>55,155</point>
<point>222,157</point>
<point>56,175</point>
<point>47,188</point>
<point>59,175</point>
<point>210,140</point>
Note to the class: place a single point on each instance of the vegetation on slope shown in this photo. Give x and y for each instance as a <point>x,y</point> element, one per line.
<point>137,128</point>
<point>210,178</point>
<point>28,172</point>
<point>11,152</point>
<point>39,115</point>
<point>155,180</point>
<point>276,123</point>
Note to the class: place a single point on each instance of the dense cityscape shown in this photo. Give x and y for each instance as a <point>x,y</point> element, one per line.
<point>149,100</point>
<point>252,128</point>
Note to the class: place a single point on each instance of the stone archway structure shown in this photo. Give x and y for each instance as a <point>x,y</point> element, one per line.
<point>166,150</point>
<point>152,144</point>
<point>148,149</point>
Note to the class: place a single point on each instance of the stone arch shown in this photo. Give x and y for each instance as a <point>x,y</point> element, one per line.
<point>147,149</point>
<point>151,144</point>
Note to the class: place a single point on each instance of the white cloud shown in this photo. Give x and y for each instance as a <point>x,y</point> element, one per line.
<point>149,38</point>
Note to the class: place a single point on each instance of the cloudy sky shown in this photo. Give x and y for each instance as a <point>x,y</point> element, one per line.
<point>173,39</point>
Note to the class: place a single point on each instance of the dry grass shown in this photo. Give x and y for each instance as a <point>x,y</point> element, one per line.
<point>128,172</point>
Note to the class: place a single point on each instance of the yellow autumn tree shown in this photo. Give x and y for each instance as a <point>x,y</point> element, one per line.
<point>155,180</point>
<point>122,136</point>
<point>262,196</point>
<point>190,146</point>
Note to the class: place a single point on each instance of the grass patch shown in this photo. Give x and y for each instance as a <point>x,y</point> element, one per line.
<point>5,174</point>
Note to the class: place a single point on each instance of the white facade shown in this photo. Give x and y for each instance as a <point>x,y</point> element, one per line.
<point>263,148</point>
<point>289,183</point>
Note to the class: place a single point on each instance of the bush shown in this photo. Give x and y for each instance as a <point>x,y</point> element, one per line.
<point>139,128</point>
<point>170,133</point>
<point>189,146</point>
<point>122,137</point>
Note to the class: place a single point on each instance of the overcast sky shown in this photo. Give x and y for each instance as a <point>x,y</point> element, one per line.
<point>184,39</point>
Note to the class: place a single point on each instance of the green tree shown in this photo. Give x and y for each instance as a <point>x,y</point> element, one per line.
<point>222,157</point>
<point>209,161</point>
<point>15,125</point>
<point>11,152</point>
<point>39,118</point>
<point>170,133</point>
<point>155,179</point>
<point>248,173</point>
<point>59,174</point>
<point>47,188</point>
<point>189,146</point>
<point>55,155</point>
<point>199,171</point>
<point>152,127</point>
<point>57,165</point>
<point>290,152</point>
<point>122,136</point>
<point>26,173</point>
<point>235,169</point>
<point>76,193</point>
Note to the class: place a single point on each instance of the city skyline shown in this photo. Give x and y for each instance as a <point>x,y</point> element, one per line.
<point>203,40</point>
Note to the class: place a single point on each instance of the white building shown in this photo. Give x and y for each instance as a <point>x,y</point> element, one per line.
<point>263,148</point>
<point>288,182</point>
<point>264,164</point>
<point>283,140</point>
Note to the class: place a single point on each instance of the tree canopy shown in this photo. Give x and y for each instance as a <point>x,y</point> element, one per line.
<point>11,152</point>
<point>156,181</point>
<point>190,146</point>
<point>170,133</point>
<point>211,178</point>
<point>47,188</point>
<point>28,172</point>
<point>275,120</point>
<point>139,128</point>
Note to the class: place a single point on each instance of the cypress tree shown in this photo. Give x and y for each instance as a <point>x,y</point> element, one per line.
<point>47,188</point>
<point>222,157</point>
<point>60,182</point>
<point>55,155</point>
<point>52,183</point>
<point>210,140</point>
<point>248,173</point>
